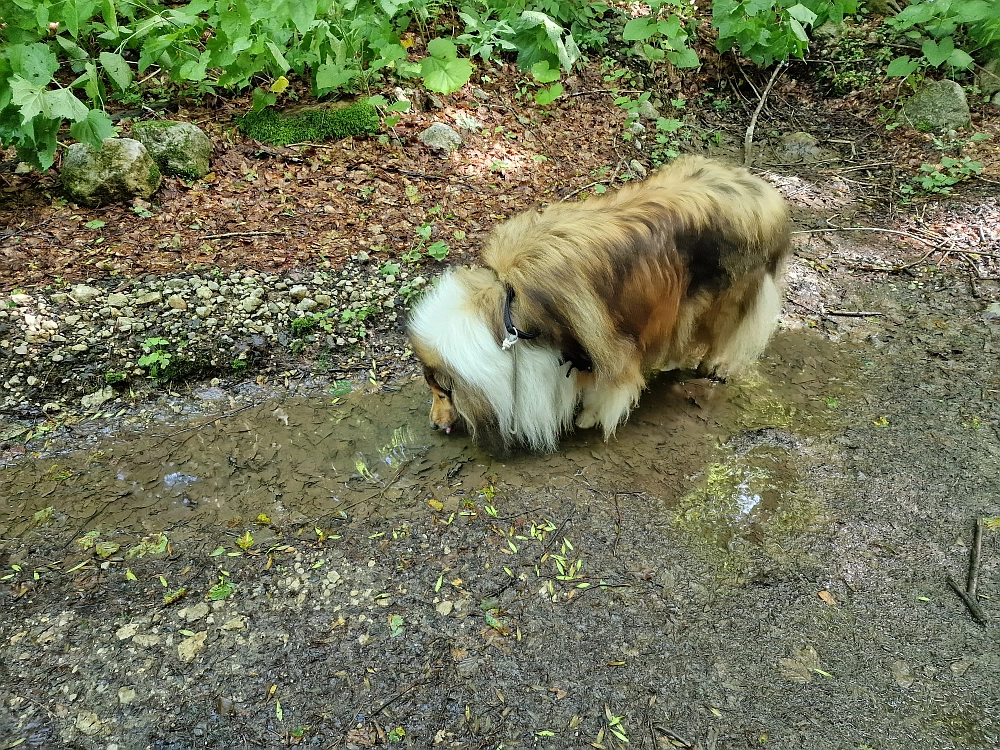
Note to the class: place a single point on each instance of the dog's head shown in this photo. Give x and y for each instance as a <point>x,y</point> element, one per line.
<point>459,351</point>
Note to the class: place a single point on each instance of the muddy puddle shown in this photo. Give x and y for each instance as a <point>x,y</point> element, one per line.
<point>726,457</point>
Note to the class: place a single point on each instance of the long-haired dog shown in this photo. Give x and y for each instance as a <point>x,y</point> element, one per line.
<point>579,303</point>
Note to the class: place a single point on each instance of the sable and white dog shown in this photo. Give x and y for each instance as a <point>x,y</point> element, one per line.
<point>581,301</point>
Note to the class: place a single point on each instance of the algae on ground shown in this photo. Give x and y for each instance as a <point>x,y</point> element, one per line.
<point>309,126</point>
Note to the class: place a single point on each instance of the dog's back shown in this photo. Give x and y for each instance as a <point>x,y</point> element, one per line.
<point>683,264</point>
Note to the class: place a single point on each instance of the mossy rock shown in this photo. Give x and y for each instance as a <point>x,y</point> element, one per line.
<point>120,171</point>
<point>179,148</point>
<point>309,126</point>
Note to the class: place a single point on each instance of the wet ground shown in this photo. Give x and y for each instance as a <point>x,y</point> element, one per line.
<point>755,564</point>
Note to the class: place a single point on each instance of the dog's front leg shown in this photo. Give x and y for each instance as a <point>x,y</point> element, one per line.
<point>606,404</point>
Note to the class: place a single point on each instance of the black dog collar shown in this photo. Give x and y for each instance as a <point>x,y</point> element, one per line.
<point>513,332</point>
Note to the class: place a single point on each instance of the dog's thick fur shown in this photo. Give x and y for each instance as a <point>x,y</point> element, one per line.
<point>680,271</point>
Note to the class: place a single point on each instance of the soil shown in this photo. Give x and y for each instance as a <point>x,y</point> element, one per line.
<point>758,563</point>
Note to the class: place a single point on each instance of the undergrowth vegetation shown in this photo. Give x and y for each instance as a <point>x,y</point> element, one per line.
<point>70,61</point>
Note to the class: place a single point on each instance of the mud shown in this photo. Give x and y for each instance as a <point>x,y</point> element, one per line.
<point>760,563</point>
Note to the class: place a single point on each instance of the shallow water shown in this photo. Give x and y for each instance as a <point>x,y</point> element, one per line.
<point>725,457</point>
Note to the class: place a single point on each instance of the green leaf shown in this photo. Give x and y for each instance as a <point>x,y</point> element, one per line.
<point>543,73</point>
<point>35,63</point>
<point>442,48</point>
<point>331,76</point>
<point>29,97</point>
<point>62,104</point>
<point>798,30</point>
<point>445,76</point>
<point>684,58</point>
<point>937,53</point>
<point>959,59</point>
<point>802,14</point>
<point>279,59</point>
<point>901,67</point>
<point>638,30</point>
<point>547,96</point>
<point>117,69</point>
<point>93,129</point>
<point>302,13</point>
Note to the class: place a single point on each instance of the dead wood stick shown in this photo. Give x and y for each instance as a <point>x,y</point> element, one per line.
<point>977,546</point>
<point>238,234</point>
<point>748,140</point>
<point>854,313</point>
<point>925,240</point>
<point>973,607</point>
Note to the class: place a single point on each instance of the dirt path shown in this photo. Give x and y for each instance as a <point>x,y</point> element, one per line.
<point>757,563</point>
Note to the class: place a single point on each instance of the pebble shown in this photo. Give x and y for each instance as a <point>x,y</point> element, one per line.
<point>57,341</point>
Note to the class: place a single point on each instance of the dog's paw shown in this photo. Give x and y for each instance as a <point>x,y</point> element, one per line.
<point>586,419</point>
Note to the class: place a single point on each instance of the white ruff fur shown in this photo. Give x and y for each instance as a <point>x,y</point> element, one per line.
<point>538,407</point>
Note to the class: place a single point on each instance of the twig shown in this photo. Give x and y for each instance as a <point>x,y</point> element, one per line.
<point>211,421</point>
<point>748,141</point>
<point>606,91</point>
<point>977,547</point>
<point>399,696</point>
<point>598,182</point>
<point>239,234</point>
<point>854,314</point>
<point>935,246</point>
<point>972,606</point>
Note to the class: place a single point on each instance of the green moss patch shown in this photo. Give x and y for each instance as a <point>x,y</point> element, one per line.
<point>310,126</point>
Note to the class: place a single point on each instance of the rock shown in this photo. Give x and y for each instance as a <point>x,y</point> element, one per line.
<point>638,169</point>
<point>120,171</point>
<point>179,148</point>
<point>799,147</point>
<point>203,292</point>
<point>992,311</point>
<point>323,300</point>
<point>441,138</point>
<point>89,723</point>
<point>189,647</point>
<point>21,349</point>
<point>95,399</point>
<point>177,302</point>
<point>196,612</point>
<point>59,298</point>
<point>647,111</point>
<point>126,631</point>
<point>830,31</point>
<point>84,294</point>
<point>148,298</point>
<point>118,300</point>
<point>250,304</point>
<point>307,305</point>
<point>637,128</point>
<point>21,299</point>
<point>989,78</point>
<point>126,695</point>
<point>444,608</point>
<point>236,623</point>
<point>465,121</point>
<point>298,292</point>
<point>937,106</point>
